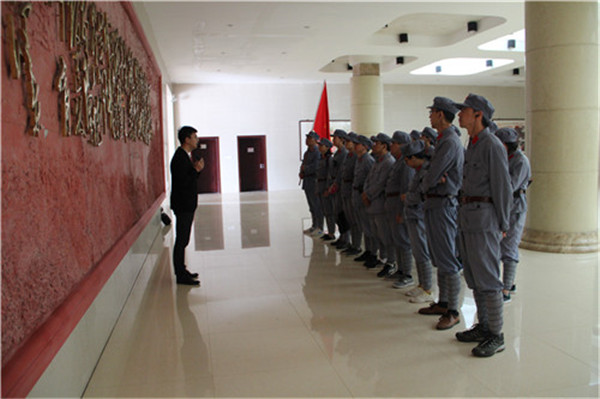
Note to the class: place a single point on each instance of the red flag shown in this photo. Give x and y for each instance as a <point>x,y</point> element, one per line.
<point>321,125</point>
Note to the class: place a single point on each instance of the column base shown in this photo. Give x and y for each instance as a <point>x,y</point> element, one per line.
<point>583,242</point>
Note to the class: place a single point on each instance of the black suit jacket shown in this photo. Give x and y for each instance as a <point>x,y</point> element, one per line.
<point>184,190</point>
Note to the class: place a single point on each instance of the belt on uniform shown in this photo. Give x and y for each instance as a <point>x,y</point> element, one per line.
<point>311,175</point>
<point>468,200</point>
<point>518,193</point>
<point>321,179</point>
<point>427,196</point>
<point>348,180</point>
<point>358,188</point>
<point>392,194</point>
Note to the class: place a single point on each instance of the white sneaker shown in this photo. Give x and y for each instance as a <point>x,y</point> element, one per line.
<point>414,292</point>
<point>317,233</point>
<point>423,297</point>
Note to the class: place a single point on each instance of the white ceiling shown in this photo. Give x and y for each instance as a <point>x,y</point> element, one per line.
<point>289,42</point>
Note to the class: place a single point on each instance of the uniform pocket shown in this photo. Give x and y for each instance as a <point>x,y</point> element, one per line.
<point>479,216</point>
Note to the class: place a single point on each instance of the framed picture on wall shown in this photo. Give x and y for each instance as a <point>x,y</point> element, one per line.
<point>305,126</point>
<point>517,124</point>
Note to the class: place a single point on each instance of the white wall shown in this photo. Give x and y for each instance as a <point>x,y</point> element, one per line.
<point>274,110</point>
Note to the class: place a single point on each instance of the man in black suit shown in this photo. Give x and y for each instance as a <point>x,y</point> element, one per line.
<point>184,199</point>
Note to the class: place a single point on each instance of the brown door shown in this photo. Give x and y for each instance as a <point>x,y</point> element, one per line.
<point>209,180</point>
<point>252,161</point>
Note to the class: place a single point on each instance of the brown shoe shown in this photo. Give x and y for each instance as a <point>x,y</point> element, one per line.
<point>433,309</point>
<point>448,320</point>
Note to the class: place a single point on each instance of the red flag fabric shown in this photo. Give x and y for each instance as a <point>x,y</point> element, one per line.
<point>321,125</point>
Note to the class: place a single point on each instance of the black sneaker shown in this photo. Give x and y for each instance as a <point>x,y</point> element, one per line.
<point>328,237</point>
<point>362,257</point>
<point>477,333</point>
<point>350,251</point>
<point>186,280</point>
<point>491,345</point>
<point>387,269</point>
<point>506,297</point>
<point>513,289</point>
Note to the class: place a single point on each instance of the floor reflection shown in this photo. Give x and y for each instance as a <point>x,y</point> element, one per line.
<point>254,217</point>
<point>208,227</point>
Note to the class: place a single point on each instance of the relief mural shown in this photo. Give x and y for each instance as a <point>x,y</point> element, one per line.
<point>101,86</point>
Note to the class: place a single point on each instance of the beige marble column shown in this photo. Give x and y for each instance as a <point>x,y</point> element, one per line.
<point>562,126</point>
<point>367,99</point>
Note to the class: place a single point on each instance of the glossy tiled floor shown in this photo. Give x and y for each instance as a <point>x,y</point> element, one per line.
<point>280,314</point>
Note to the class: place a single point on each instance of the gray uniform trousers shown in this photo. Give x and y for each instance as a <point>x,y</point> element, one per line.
<point>400,250</point>
<point>352,217</point>
<point>364,222</point>
<point>520,174</point>
<point>310,163</point>
<point>414,217</point>
<point>481,224</point>
<point>441,212</point>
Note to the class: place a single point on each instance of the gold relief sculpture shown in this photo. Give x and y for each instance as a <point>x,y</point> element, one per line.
<point>60,84</point>
<point>12,47</point>
<point>106,91</point>
<point>31,86</point>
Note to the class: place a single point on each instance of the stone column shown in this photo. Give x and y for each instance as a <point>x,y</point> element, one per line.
<point>367,99</point>
<point>562,126</point>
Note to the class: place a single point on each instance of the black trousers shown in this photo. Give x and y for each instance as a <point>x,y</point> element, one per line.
<point>183,229</point>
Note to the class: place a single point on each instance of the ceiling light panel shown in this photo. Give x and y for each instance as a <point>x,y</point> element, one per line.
<point>461,66</point>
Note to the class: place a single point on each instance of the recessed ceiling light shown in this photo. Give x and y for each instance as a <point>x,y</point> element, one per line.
<point>513,42</point>
<point>461,66</point>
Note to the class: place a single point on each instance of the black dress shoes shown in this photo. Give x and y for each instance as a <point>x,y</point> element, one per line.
<point>192,275</point>
<point>186,280</point>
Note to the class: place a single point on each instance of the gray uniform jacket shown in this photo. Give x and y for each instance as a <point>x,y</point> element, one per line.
<point>348,174</point>
<point>376,181</point>
<point>362,168</point>
<point>310,160</point>
<point>323,175</point>
<point>447,161</point>
<point>336,167</point>
<point>520,174</point>
<point>413,206</point>
<point>397,183</point>
<point>486,175</point>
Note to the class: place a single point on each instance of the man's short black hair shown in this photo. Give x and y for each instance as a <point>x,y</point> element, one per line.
<point>449,116</point>
<point>185,132</point>
<point>511,147</point>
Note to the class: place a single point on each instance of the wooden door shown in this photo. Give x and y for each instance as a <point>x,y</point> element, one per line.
<point>209,180</point>
<point>252,161</point>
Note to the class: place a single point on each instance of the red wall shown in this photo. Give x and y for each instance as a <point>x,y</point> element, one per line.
<point>65,202</point>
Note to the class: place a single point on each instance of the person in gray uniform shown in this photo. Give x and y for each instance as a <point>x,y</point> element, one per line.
<point>364,164</point>
<point>308,175</point>
<point>440,187</point>
<point>416,157</point>
<point>335,172</point>
<point>400,259</point>
<point>429,137</point>
<point>323,187</point>
<point>483,217</point>
<point>346,194</point>
<point>520,177</point>
<point>414,135</point>
<point>373,196</point>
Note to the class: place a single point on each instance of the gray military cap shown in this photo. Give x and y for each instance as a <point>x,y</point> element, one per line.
<point>415,134</point>
<point>353,137</point>
<point>507,135</point>
<point>430,133</point>
<point>382,138</point>
<point>313,135</point>
<point>444,104</point>
<point>341,134</point>
<point>478,103</point>
<point>413,148</point>
<point>326,142</point>
<point>400,137</point>
<point>365,141</point>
